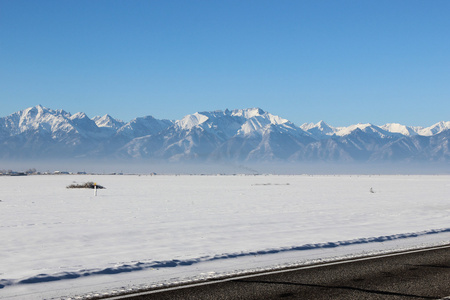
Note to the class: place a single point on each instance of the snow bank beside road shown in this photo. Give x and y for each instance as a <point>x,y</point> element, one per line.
<point>139,266</point>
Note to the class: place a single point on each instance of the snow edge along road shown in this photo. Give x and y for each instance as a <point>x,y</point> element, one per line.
<point>175,262</point>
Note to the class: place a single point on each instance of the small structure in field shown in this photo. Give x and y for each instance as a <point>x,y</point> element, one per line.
<point>87,185</point>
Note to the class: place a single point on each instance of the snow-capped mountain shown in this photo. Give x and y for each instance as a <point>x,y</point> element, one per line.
<point>35,119</point>
<point>39,132</point>
<point>399,128</point>
<point>320,130</point>
<point>434,129</point>
<point>143,126</point>
<point>367,129</point>
<point>239,135</point>
<point>108,122</point>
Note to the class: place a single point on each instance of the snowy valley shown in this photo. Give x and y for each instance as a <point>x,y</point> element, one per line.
<point>152,231</point>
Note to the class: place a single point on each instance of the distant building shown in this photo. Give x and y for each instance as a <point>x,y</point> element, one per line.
<point>61,173</point>
<point>18,174</point>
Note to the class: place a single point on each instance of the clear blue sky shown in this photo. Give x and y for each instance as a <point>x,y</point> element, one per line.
<point>340,61</point>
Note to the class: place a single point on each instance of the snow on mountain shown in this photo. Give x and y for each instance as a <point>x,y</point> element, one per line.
<point>361,143</point>
<point>227,124</point>
<point>398,128</point>
<point>211,135</point>
<point>279,143</point>
<point>353,143</point>
<point>319,130</point>
<point>190,121</point>
<point>322,130</point>
<point>366,128</point>
<point>434,129</point>
<point>194,136</point>
<point>143,126</point>
<point>108,122</point>
<point>255,125</point>
<point>39,131</point>
<point>348,130</point>
<point>36,118</point>
<point>85,126</point>
<point>257,122</point>
<point>250,113</point>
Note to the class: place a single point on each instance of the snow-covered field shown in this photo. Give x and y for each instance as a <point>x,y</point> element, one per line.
<point>144,231</point>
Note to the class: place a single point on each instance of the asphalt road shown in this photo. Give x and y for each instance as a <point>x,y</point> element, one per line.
<point>417,275</point>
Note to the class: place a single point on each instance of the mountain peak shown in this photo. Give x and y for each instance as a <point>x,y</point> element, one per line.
<point>320,130</point>
<point>108,122</point>
<point>248,112</point>
<point>399,128</point>
<point>323,125</point>
<point>190,121</point>
<point>435,129</point>
<point>255,111</point>
<point>38,109</point>
<point>350,129</point>
<point>79,115</point>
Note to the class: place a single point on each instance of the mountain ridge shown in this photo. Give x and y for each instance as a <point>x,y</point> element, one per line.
<point>250,134</point>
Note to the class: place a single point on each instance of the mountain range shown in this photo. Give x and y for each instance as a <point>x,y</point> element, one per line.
<point>237,135</point>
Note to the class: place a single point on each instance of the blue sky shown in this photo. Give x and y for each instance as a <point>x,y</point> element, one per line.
<point>343,62</point>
